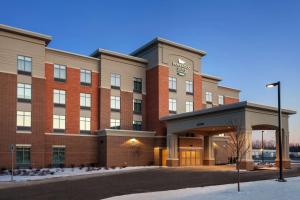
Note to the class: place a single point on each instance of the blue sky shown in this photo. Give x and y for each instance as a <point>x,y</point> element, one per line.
<point>248,43</point>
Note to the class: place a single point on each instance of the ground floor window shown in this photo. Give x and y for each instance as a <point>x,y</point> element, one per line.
<point>23,157</point>
<point>114,123</point>
<point>137,125</point>
<point>58,156</point>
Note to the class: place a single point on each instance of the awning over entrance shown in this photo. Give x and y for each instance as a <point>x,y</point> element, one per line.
<point>247,116</point>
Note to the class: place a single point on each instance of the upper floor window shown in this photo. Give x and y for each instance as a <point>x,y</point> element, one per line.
<point>137,125</point>
<point>24,65</point>
<point>189,106</point>
<point>85,125</point>
<point>137,106</point>
<point>115,123</point>
<point>189,87</point>
<point>60,73</point>
<point>115,80</point>
<point>23,120</point>
<point>85,77</point>
<point>59,123</point>
<point>172,84</point>
<point>208,97</point>
<point>59,97</point>
<point>221,100</point>
<point>115,103</point>
<point>24,92</point>
<point>85,100</point>
<point>172,105</point>
<point>137,85</point>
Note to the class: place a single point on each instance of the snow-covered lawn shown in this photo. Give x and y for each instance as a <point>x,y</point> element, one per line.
<point>57,172</point>
<point>258,190</point>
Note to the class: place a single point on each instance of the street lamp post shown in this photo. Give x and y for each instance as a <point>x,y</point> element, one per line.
<point>280,178</point>
<point>262,146</point>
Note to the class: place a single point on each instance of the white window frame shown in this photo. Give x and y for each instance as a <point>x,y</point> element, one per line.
<point>189,106</point>
<point>115,123</point>
<point>59,122</point>
<point>189,87</point>
<point>172,105</point>
<point>115,80</point>
<point>85,124</point>
<point>115,102</point>
<point>85,76</point>
<point>85,100</point>
<point>61,70</point>
<point>24,91</point>
<point>59,97</point>
<point>208,97</point>
<point>23,119</point>
<point>221,100</point>
<point>172,83</point>
<point>24,63</point>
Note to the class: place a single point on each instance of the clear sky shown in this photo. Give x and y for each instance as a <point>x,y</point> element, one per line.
<point>248,43</point>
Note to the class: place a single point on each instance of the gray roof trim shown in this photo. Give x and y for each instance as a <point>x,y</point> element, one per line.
<point>233,106</point>
<point>230,88</point>
<point>119,55</point>
<point>74,54</point>
<point>211,77</point>
<point>46,38</point>
<point>168,42</point>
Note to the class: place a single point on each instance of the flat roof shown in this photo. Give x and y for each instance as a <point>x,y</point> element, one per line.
<point>230,88</point>
<point>211,77</point>
<point>117,54</point>
<point>168,42</point>
<point>27,33</point>
<point>71,53</point>
<point>243,104</point>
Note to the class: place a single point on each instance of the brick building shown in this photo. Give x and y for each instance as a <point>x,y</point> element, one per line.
<point>106,108</point>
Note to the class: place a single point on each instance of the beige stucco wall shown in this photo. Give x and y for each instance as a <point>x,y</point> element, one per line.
<point>228,92</point>
<point>209,85</point>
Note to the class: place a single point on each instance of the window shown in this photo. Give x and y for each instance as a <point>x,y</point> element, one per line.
<point>137,125</point>
<point>24,92</point>
<point>85,125</point>
<point>115,103</point>
<point>172,105</point>
<point>115,80</point>
<point>208,96</point>
<point>221,135</point>
<point>60,73</point>
<point>23,120</point>
<point>59,123</point>
<point>85,77</point>
<point>115,123</point>
<point>85,101</point>
<point>23,158</point>
<point>189,106</point>
<point>137,106</point>
<point>24,65</point>
<point>59,97</point>
<point>221,100</point>
<point>137,85</point>
<point>58,156</point>
<point>189,87</point>
<point>172,84</point>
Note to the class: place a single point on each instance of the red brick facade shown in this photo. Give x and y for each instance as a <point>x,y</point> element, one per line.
<point>126,110</point>
<point>229,100</point>
<point>104,108</point>
<point>197,91</point>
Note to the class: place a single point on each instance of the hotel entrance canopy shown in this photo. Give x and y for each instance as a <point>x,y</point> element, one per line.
<point>208,122</point>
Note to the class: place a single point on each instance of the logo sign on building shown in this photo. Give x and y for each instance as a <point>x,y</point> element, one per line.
<point>181,66</point>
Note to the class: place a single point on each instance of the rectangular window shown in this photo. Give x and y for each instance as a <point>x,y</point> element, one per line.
<point>59,97</point>
<point>172,106</point>
<point>189,107</point>
<point>60,73</point>
<point>189,87</point>
<point>58,156</point>
<point>137,125</point>
<point>59,123</point>
<point>85,77</point>
<point>85,125</point>
<point>221,100</point>
<point>208,97</point>
<point>24,92</point>
<point>115,103</point>
<point>137,85</point>
<point>23,120</point>
<point>23,157</point>
<point>85,101</point>
<point>114,123</point>
<point>172,84</point>
<point>115,80</point>
<point>24,65</point>
<point>137,106</point>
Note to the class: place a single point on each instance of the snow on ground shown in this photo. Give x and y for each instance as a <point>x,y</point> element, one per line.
<point>258,190</point>
<point>71,172</point>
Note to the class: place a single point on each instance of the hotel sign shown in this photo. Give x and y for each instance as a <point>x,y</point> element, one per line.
<point>181,66</point>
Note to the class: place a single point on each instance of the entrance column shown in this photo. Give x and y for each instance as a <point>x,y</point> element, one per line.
<point>247,160</point>
<point>172,146</point>
<point>209,157</point>
<point>286,162</point>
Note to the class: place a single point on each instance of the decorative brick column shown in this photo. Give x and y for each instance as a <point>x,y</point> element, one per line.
<point>286,162</point>
<point>209,158</point>
<point>172,146</point>
<point>247,161</point>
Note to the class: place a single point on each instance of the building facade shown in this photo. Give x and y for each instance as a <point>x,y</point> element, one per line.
<point>62,108</point>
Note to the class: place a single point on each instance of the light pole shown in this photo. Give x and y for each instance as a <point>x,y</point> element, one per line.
<point>262,146</point>
<point>280,178</point>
